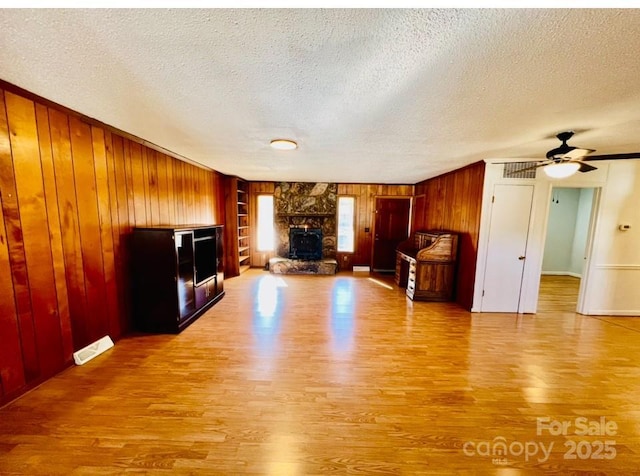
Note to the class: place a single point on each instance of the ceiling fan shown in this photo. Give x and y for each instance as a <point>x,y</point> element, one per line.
<point>565,160</point>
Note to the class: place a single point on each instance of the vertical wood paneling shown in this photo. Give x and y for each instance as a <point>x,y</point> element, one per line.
<point>35,234</point>
<point>106,232</point>
<point>163,189</point>
<point>146,198</point>
<point>55,236</point>
<point>71,193</point>
<point>68,210</point>
<point>90,237</point>
<point>365,195</point>
<point>17,257</point>
<point>138,185</point>
<point>453,202</point>
<point>12,368</point>
<point>128,175</point>
<point>173,202</point>
<point>179,191</point>
<point>119,325</point>
<point>154,195</point>
<point>218,206</point>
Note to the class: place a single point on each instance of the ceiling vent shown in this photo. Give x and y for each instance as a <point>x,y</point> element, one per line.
<point>519,170</point>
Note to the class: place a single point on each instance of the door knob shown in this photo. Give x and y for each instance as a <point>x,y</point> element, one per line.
<point>521,257</point>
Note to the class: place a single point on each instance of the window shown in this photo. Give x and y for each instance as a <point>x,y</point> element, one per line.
<point>346,212</point>
<point>265,223</point>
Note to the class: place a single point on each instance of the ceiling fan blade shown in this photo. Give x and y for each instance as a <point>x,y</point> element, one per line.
<point>578,153</point>
<point>631,155</point>
<point>586,167</point>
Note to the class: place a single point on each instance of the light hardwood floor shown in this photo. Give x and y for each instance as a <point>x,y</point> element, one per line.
<point>558,293</point>
<point>338,375</point>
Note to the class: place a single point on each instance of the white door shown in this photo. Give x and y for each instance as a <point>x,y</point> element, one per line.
<point>506,254</point>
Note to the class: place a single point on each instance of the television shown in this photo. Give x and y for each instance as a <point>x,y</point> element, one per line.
<point>305,243</point>
<point>204,257</point>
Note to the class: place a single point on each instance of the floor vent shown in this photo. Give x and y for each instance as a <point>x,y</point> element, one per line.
<point>361,269</point>
<point>515,170</point>
<point>92,350</point>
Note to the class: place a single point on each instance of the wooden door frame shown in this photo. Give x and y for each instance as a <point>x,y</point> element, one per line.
<point>373,216</point>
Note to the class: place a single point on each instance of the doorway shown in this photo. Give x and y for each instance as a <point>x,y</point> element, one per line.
<point>391,227</point>
<point>565,248</point>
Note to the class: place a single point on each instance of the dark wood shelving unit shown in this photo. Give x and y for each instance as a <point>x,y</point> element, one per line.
<point>178,273</point>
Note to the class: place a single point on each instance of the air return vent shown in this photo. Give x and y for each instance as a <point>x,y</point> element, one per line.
<point>92,350</point>
<point>515,170</point>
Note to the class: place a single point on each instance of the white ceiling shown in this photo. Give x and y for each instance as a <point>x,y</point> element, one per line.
<point>374,96</point>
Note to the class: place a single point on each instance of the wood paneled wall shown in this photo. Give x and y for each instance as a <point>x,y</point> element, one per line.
<point>365,195</point>
<point>453,202</point>
<point>71,192</point>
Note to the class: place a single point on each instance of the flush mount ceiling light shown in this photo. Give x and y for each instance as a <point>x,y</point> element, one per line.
<point>561,169</point>
<point>284,144</point>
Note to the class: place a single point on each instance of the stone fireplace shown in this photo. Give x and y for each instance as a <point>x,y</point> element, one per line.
<point>307,206</point>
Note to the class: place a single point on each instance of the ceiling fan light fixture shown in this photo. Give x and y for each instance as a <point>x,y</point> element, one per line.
<point>561,169</point>
<point>283,144</point>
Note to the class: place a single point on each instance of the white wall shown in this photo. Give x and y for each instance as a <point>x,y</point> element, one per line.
<point>614,280</point>
<point>612,274</point>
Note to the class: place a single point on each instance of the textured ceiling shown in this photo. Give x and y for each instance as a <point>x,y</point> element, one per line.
<point>381,95</point>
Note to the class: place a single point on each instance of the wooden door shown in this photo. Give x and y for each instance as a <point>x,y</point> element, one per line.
<point>508,234</point>
<point>391,227</point>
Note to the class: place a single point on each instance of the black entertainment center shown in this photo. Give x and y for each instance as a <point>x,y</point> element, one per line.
<point>178,273</point>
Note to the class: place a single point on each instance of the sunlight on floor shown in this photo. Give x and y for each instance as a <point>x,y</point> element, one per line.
<point>380,283</point>
<point>342,315</point>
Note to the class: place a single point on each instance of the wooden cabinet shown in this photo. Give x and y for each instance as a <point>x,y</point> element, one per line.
<point>425,265</point>
<point>178,273</point>
<point>238,229</point>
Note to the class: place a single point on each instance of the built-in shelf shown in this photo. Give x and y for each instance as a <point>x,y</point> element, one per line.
<point>238,226</point>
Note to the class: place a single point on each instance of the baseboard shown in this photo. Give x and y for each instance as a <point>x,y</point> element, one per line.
<point>91,351</point>
<point>562,273</point>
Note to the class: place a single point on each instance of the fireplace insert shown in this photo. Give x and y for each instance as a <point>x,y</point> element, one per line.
<point>305,243</point>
